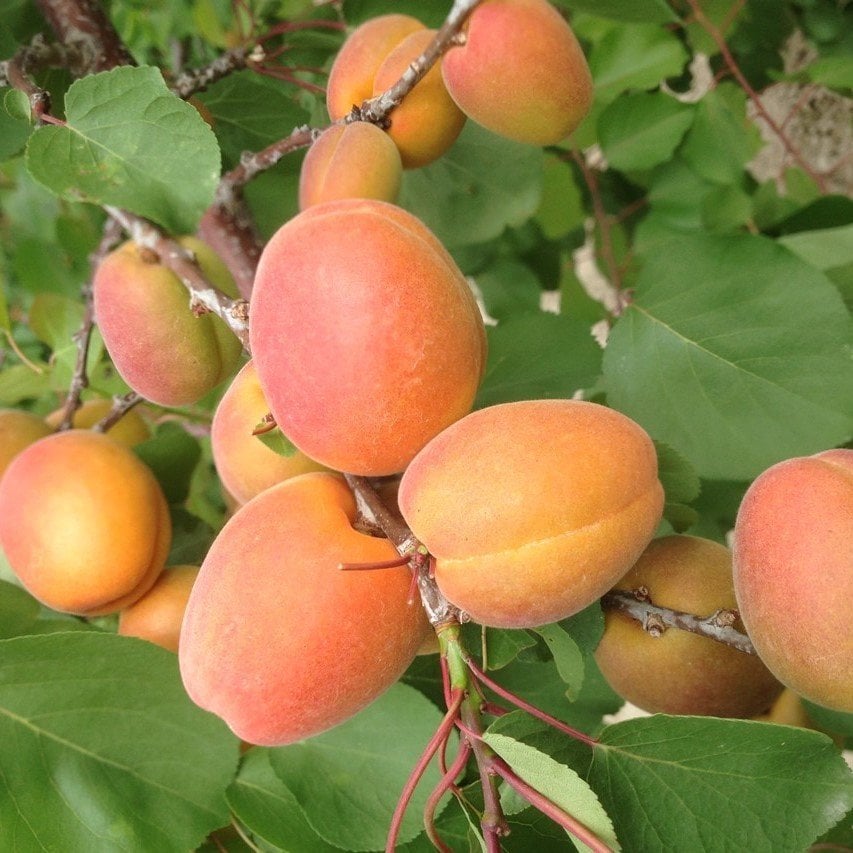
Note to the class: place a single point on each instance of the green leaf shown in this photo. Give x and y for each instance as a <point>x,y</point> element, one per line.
<point>55,319</point>
<point>678,477</point>
<point>102,750</point>
<point>640,130</point>
<point>558,782</point>
<point>639,11</point>
<point>191,538</point>
<point>567,657</point>
<point>18,610</point>
<point>720,141</point>
<point>735,353</point>
<point>634,56</point>
<point>20,382</point>
<point>478,188</point>
<point>833,71</point>
<point>824,249</point>
<point>347,780</point>
<point>561,208</point>
<point>726,208</point>
<point>538,355</point>
<point>251,112</point>
<point>267,808</point>
<point>508,288</point>
<point>130,142</point>
<point>277,441</point>
<point>682,784</point>
<point>15,127</point>
<point>172,454</point>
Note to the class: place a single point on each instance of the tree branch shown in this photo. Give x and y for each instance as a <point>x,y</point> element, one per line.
<point>655,620</point>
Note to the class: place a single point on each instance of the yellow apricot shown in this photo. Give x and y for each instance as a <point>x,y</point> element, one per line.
<point>158,615</point>
<point>277,640</point>
<point>83,523</point>
<point>356,160</point>
<point>246,466</point>
<point>533,509</point>
<point>18,429</point>
<point>680,672</point>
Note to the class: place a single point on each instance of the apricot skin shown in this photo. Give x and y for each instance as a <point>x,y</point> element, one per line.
<point>381,345</point>
<point>533,509</point>
<point>354,69</point>
<point>160,349</point>
<point>427,122</point>
<point>158,615</point>
<point>18,429</point>
<point>246,466</point>
<point>130,430</point>
<point>277,640</point>
<point>793,574</point>
<point>521,72</point>
<point>680,672</point>
<point>83,522</point>
<point>356,160</point>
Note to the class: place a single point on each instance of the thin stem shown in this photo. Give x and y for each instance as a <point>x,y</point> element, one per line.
<point>80,379</point>
<point>539,801</point>
<point>447,782</point>
<point>526,706</point>
<point>122,404</point>
<point>396,563</point>
<point>441,734</point>
<point>719,626</point>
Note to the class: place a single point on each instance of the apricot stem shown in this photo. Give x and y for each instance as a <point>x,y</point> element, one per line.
<point>441,734</point>
<point>718,626</point>
<point>379,564</point>
<point>122,403</point>
<point>446,784</point>
<point>526,706</point>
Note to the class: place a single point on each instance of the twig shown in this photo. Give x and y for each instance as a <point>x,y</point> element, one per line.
<point>203,295</point>
<point>122,404</point>
<point>198,79</point>
<point>17,71</point>
<point>720,41</point>
<point>80,380</point>
<point>655,620</point>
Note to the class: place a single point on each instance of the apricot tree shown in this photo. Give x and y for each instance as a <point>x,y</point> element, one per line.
<point>548,407</point>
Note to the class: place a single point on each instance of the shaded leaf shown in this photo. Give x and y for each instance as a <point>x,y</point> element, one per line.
<point>567,657</point>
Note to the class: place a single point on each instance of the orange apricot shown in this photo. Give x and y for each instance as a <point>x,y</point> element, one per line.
<point>427,122</point>
<point>131,429</point>
<point>158,615</point>
<point>354,69</point>
<point>246,466</point>
<point>83,523</point>
<point>277,640</point>
<point>680,672</point>
<point>356,160</point>
<point>793,574</point>
<point>533,509</point>
<point>18,429</point>
<point>520,72</point>
<point>159,347</point>
<point>381,345</point>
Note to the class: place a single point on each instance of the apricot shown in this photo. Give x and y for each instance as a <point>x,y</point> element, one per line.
<point>158,615</point>
<point>277,640</point>
<point>130,430</point>
<point>18,429</point>
<point>680,672</point>
<point>793,574</point>
<point>427,122</point>
<point>159,347</point>
<point>356,160</point>
<point>246,466</point>
<point>520,72</point>
<point>533,509</point>
<point>83,523</point>
<point>354,69</point>
<point>381,345</point>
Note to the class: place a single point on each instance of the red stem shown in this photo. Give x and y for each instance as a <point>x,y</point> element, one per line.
<point>446,784</point>
<point>441,734</point>
<point>526,706</point>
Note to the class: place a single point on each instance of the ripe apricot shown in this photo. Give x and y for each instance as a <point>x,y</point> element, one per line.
<point>354,69</point>
<point>130,430</point>
<point>793,574</point>
<point>381,344</point>
<point>520,72</point>
<point>356,160</point>
<point>158,615</point>
<point>276,639</point>
<point>533,509</point>
<point>160,349</point>
<point>427,121</point>
<point>18,429</point>
<point>83,522</point>
<point>680,672</point>
<point>246,466</point>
